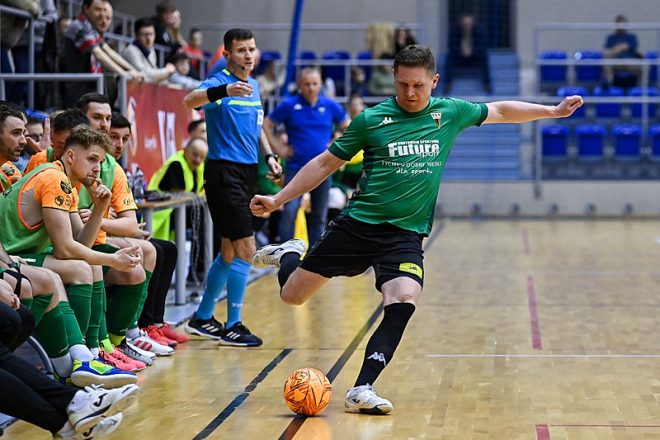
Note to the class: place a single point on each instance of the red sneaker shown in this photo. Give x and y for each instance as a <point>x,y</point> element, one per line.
<point>169,333</point>
<point>155,334</point>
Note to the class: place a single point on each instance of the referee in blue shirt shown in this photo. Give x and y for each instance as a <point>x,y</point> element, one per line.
<point>234,119</point>
<point>311,121</point>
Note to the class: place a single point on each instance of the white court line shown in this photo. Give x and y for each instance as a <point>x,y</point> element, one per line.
<point>557,356</point>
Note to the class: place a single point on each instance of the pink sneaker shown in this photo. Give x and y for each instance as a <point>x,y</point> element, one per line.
<point>114,361</point>
<point>169,333</point>
<point>155,334</point>
<point>118,353</point>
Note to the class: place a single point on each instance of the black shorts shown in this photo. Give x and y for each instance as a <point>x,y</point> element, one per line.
<point>229,188</point>
<point>349,247</point>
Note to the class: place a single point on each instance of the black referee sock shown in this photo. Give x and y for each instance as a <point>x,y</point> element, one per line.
<point>384,341</point>
<point>288,263</point>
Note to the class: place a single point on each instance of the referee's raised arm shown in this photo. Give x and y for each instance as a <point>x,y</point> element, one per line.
<point>195,99</point>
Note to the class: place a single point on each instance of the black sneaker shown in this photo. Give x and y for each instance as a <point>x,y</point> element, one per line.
<point>209,328</point>
<point>239,335</point>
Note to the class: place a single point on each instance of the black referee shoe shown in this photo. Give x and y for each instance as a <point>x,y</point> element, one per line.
<point>239,335</point>
<point>209,328</point>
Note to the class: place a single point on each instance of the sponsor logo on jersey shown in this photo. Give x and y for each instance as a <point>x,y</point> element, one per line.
<point>8,170</point>
<point>437,117</point>
<point>65,186</point>
<point>59,200</point>
<point>386,120</point>
<point>422,148</point>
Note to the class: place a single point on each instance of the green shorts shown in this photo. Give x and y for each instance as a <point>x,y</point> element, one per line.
<point>37,259</point>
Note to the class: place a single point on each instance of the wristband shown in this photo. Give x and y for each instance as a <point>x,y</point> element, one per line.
<point>273,155</point>
<point>216,93</point>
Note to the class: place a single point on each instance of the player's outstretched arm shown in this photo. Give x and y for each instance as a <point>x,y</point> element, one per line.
<point>518,111</point>
<point>308,178</point>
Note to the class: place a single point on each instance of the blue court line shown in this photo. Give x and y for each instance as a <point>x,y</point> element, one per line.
<point>238,400</point>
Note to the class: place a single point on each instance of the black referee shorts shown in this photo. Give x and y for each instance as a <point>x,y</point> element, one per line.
<point>349,247</point>
<point>229,188</point>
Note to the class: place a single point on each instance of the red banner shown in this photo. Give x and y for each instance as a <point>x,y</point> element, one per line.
<point>159,125</point>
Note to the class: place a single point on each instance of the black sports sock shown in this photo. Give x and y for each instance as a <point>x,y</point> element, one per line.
<point>383,342</point>
<point>288,263</point>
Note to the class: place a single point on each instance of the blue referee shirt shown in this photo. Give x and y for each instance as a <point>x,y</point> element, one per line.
<point>233,123</point>
<point>309,127</point>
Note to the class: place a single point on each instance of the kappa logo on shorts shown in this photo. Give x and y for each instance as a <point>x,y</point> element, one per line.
<point>65,186</point>
<point>411,268</point>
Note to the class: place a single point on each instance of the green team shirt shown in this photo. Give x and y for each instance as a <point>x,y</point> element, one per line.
<point>404,156</point>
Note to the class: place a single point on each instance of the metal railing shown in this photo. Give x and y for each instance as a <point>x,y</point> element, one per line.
<point>53,77</point>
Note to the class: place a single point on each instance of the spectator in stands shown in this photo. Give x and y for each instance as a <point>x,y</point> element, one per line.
<point>85,51</point>
<point>402,38</point>
<point>381,82</point>
<point>358,81</point>
<point>183,172</point>
<point>234,134</point>
<point>311,121</point>
<point>194,50</point>
<point>271,79</point>
<point>142,55</point>
<point>197,129</point>
<point>12,28</point>
<point>47,14</point>
<point>151,318</point>
<point>167,22</point>
<point>182,69</point>
<point>622,44</point>
<point>467,48</point>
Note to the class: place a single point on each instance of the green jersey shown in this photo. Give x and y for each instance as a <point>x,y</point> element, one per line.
<point>404,156</point>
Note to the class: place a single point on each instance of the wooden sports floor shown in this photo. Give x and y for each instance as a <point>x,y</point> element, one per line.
<point>526,330</point>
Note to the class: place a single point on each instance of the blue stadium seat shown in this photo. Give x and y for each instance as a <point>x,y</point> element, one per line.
<point>266,57</point>
<point>608,109</point>
<point>637,108</point>
<point>554,141</point>
<point>337,72</point>
<point>653,72</point>
<point>589,73</point>
<point>553,73</point>
<point>627,141</point>
<point>307,55</point>
<point>365,55</point>
<point>573,90</point>
<point>590,140</point>
<point>654,135</point>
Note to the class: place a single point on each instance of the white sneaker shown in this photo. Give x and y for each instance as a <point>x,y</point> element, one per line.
<point>138,354</point>
<point>146,343</point>
<point>89,407</point>
<point>366,400</point>
<point>270,255</point>
<point>105,426</point>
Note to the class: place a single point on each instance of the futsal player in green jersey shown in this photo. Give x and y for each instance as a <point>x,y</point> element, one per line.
<point>406,141</point>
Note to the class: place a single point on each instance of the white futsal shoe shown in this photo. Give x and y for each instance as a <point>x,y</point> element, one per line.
<point>366,400</point>
<point>271,254</point>
<point>90,407</point>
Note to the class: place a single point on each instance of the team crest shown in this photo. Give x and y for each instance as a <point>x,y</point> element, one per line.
<point>65,186</point>
<point>437,117</point>
<point>9,171</point>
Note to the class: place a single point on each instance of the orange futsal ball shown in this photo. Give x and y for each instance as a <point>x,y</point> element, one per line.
<point>307,391</point>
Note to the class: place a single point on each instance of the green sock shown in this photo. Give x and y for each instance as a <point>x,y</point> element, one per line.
<point>39,305</point>
<point>73,332</point>
<point>80,300</point>
<point>121,308</point>
<point>143,299</point>
<point>51,333</point>
<point>92,335</point>
<point>116,339</point>
<point>103,327</point>
<point>107,345</point>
